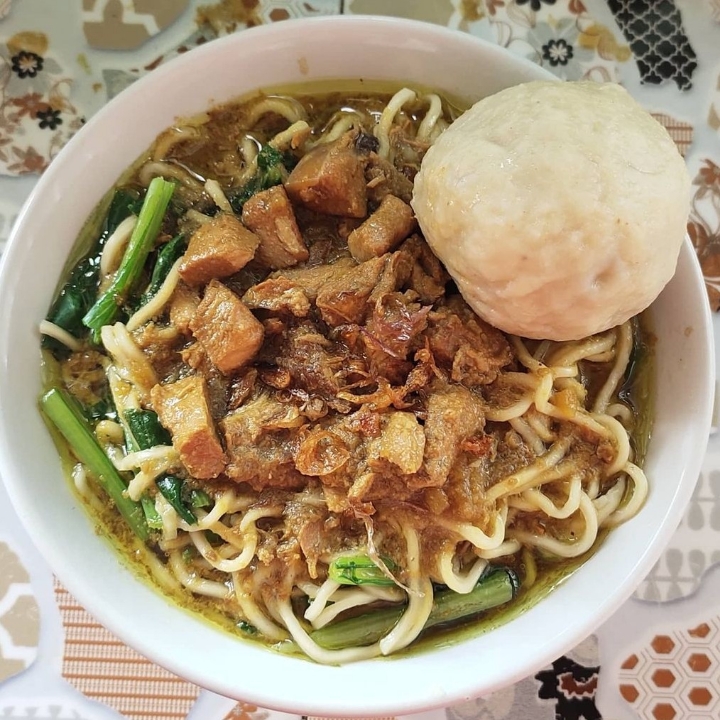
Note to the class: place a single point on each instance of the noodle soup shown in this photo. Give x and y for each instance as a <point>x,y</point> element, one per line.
<point>267,387</point>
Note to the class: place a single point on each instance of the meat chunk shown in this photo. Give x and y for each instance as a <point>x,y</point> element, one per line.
<point>391,331</point>
<point>428,278</point>
<point>401,443</point>
<point>269,214</point>
<point>217,384</point>
<point>313,279</point>
<point>384,230</point>
<point>227,330</point>
<point>395,274</point>
<point>396,322</point>
<point>344,298</point>
<point>454,414</point>
<point>330,179</point>
<point>350,295</point>
<point>261,439</point>
<point>461,342</point>
<point>184,411</point>
<point>383,178</point>
<point>160,344</point>
<point>314,363</point>
<point>217,249</point>
<point>278,295</point>
<point>183,306</point>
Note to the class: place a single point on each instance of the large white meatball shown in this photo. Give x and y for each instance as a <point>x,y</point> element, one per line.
<point>558,208</point>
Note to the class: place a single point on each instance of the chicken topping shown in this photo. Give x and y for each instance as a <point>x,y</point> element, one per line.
<point>184,410</point>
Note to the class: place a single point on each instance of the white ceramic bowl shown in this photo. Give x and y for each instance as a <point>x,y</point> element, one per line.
<point>291,52</point>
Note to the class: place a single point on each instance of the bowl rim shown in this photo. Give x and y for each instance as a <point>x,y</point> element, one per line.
<point>421,696</point>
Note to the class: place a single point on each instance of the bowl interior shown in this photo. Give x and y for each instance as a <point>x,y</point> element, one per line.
<point>290,52</point>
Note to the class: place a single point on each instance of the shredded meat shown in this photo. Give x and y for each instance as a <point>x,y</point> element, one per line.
<point>315,364</point>
<point>473,351</point>
<point>428,276</point>
<point>260,442</point>
<point>383,179</point>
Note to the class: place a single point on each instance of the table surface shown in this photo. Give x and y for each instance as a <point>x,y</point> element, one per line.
<point>658,657</point>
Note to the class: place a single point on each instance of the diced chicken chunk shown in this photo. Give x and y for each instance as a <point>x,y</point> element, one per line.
<point>261,445</point>
<point>383,231</point>
<point>217,249</point>
<point>183,409</point>
<point>463,343</point>
<point>227,330</point>
<point>401,443</point>
<point>453,415</point>
<point>344,298</point>
<point>330,179</point>
<point>313,279</point>
<point>183,305</point>
<point>269,214</point>
<point>278,295</point>
<point>383,178</point>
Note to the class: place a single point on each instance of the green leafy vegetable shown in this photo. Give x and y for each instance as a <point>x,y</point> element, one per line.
<point>145,428</point>
<point>199,498</point>
<point>152,516</point>
<point>171,488</point>
<point>143,431</point>
<point>247,628</point>
<point>213,538</point>
<point>166,257</point>
<point>496,587</point>
<point>102,409</point>
<point>359,570</point>
<point>152,213</point>
<point>272,166</point>
<point>64,412</point>
<point>78,293</point>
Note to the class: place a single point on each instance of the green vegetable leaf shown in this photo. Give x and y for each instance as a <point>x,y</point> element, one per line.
<point>272,165</point>
<point>65,413</point>
<point>497,586</point>
<point>171,488</point>
<point>166,257</point>
<point>359,570</point>
<point>145,428</point>
<point>199,498</point>
<point>152,516</point>
<point>105,309</point>
<point>78,293</point>
<point>247,628</point>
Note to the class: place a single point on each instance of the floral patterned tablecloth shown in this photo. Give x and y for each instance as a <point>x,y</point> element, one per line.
<point>658,657</point>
